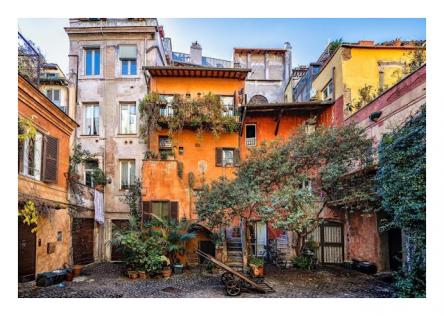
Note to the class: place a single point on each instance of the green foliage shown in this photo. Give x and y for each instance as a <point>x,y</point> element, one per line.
<point>141,251</point>
<point>301,262</point>
<point>333,46</point>
<point>99,177</point>
<point>26,129</point>
<point>202,114</point>
<point>173,234</point>
<point>30,215</point>
<point>180,169</point>
<point>366,94</point>
<point>417,59</point>
<point>258,262</point>
<point>79,156</point>
<point>191,179</point>
<point>272,181</point>
<point>401,180</point>
<point>132,198</point>
<point>149,154</point>
<point>164,155</point>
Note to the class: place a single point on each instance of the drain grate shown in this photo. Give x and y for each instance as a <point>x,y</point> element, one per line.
<point>171,289</point>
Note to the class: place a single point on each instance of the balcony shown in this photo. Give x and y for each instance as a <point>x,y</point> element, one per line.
<point>250,142</point>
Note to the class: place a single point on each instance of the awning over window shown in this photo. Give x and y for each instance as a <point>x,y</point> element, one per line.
<point>127,52</point>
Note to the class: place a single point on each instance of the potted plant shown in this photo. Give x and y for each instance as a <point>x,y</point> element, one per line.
<point>132,274</point>
<point>77,269</point>
<point>256,266</point>
<point>142,275</point>
<point>166,269</point>
<point>99,178</point>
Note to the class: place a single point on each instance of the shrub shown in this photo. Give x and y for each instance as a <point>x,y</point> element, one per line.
<point>300,262</point>
<point>149,154</point>
<point>258,262</point>
<point>99,177</point>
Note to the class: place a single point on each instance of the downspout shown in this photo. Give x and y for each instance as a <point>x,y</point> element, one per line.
<point>77,75</point>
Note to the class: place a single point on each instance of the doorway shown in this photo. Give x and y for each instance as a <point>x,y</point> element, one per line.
<point>395,249</point>
<point>26,252</point>
<point>208,247</point>
<point>330,237</point>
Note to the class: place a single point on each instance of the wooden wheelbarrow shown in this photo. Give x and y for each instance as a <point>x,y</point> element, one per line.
<point>235,281</point>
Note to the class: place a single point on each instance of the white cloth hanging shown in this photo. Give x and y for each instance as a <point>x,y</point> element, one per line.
<point>99,214</point>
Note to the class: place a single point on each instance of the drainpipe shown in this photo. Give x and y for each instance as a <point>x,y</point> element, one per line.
<point>77,74</point>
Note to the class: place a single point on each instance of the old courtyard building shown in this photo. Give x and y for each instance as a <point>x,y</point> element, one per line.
<point>106,57</point>
<point>42,186</point>
<point>270,72</point>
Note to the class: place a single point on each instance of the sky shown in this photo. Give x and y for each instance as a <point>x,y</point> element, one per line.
<point>218,37</point>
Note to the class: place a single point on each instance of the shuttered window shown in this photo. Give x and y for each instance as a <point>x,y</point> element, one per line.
<point>30,155</point>
<point>227,157</point>
<point>163,209</point>
<point>50,159</point>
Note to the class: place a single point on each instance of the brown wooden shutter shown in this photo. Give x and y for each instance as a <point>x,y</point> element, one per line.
<point>50,159</point>
<point>147,209</point>
<point>236,156</point>
<point>174,210</point>
<point>219,157</point>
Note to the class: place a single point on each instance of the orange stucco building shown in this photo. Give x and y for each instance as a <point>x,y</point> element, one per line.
<point>169,184</point>
<point>43,163</point>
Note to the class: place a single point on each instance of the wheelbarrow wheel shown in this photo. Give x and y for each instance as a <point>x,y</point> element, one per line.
<point>232,288</point>
<point>226,276</point>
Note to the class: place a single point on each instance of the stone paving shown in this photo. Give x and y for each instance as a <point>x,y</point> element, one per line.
<point>107,280</point>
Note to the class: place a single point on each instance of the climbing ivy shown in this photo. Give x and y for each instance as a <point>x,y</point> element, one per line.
<point>401,180</point>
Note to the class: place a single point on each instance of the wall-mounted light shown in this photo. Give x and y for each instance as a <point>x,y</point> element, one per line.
<point>375,115</point>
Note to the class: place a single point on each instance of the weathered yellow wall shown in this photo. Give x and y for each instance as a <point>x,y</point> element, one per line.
<point>358,66</point>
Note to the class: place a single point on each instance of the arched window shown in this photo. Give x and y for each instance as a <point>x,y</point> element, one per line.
<point>258,99</point>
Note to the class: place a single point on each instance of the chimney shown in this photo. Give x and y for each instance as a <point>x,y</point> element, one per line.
<point>287,62</point>
<point>366,43</point>
<point>196,53</point>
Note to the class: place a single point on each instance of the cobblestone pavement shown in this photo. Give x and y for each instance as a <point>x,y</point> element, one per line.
<point>107,280</point>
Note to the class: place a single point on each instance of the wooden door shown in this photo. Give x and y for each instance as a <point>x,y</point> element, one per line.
<point>83,240</point>
<point>116,253</point>
<point>330,237</point>
<point>26,252</point>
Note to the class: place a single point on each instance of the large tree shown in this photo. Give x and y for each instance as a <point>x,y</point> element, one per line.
<point>289,183</point>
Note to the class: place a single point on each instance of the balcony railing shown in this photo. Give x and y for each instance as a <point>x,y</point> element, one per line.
<point>250,142</point>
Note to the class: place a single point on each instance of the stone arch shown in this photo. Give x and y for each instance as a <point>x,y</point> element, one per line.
<point>258,99</point>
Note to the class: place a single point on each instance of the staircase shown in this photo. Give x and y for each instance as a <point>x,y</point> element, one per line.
<point>234,252</point>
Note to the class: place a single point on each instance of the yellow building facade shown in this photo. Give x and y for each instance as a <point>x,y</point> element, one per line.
<point>358,72</point>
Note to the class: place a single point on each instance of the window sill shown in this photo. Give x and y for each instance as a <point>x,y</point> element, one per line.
<point>126,135</point>
<point>89,136</point>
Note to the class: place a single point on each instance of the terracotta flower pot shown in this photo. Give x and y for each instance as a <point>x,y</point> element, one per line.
<point>257,271</point>
<point>77,269</point>
<point>166,272</point>
<point>133,274</point>
<point>69,276</point>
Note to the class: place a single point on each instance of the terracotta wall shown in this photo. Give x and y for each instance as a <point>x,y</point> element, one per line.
<point>48,120</point>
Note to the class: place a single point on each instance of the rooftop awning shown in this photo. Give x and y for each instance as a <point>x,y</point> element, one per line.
<point>197,72</point>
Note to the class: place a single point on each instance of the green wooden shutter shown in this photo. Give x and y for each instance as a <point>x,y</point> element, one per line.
<point>174,210</point>
<point>219,157</point>
<point>50,159</point>
<point>147,209</point>
<point>236,157</point>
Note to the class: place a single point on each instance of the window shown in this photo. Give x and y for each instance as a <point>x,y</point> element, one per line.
<point>228,105</point>
<point>128,59</point>
<point>167,109</point>
<point>250,137</point>
<point>227,157</point>
<point>92,61</point>
<point>127,174</point>
<point>128,118</point>
<point>129,67</point>
<point>91,119</point>
<point>165,209</point>
<point>165,142</point>
<point>327,93</point>
<point>90,166</point>
<point>30,156</point>
<point>54,96</point>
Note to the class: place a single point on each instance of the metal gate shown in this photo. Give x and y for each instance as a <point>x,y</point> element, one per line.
<point>330,237</point>
<point>83,240</point>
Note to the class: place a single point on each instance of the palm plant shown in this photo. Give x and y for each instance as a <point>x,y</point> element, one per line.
<point>174,234</point>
